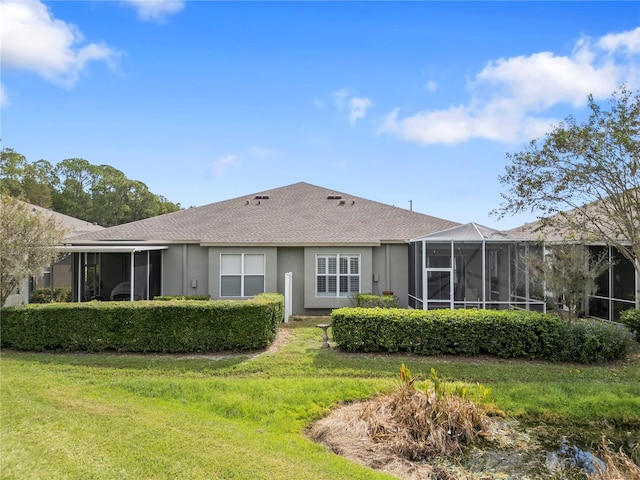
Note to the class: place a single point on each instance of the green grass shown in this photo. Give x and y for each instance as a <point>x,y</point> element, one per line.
<point>82,416</point>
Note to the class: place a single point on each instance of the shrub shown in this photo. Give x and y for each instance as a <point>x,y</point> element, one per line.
<point>146,326</point>
<point>44,295</point>
<point>369,300</point>
<point>501,333</point>
<point>594,341</point>
<point>631,318</point>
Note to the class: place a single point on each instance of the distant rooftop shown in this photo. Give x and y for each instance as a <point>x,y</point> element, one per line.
<point>72,226</point>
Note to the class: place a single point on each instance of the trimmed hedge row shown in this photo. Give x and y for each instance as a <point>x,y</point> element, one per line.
<point>369,300</point>
<point>43,295</point>
<point>145,326</point>
<point>502,333</point>
<point>631,318</point>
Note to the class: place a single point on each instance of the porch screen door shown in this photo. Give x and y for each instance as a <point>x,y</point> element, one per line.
<point>438,288</point>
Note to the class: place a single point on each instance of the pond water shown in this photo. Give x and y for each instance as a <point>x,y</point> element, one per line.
<point>518,452</point>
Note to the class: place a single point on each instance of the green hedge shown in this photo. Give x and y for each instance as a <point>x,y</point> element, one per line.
<point>501,333</point>
<point>369,300</point>
<point>43,295</point>
<point>145,326</point>
<point>631,318</point>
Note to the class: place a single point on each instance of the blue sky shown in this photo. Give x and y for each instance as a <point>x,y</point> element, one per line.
<point>395,102</point>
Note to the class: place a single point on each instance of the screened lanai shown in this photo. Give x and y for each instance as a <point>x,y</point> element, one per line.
<point>123,272</point>
<point>471,266</point>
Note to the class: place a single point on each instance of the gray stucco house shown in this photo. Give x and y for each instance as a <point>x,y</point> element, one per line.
<point>333,244</point>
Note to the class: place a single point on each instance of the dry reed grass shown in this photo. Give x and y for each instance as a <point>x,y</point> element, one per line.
<point>619,466</point>
<point>393,432</point>
<point>420,424</point>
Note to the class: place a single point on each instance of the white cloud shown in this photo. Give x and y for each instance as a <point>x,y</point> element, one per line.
<point>156,10</point>
<point>627,42</point>
<point>510,95</point>
<point>542,80</point>
<point>33,40</point>
<point>224,163</point>
<point>358,108</point>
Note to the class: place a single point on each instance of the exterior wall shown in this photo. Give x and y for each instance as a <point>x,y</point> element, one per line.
<point>185,270</point>
<point>292,260</point>
<point>172,270</point>
<point>191,269</point>
<point>271,273</point>
<point>366,275</point>
<point>390,269</point>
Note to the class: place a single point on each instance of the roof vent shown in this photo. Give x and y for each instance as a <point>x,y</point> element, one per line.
<point>341,202</point>
<point>262,197</point>
<point>334,197</point>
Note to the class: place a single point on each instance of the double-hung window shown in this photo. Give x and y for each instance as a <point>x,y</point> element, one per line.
<point>241,274</point>
<point>337,275</point>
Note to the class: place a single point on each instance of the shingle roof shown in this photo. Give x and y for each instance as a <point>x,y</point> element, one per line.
<point>298,214</point>
<point>71,225</point>
<point>571,226</point>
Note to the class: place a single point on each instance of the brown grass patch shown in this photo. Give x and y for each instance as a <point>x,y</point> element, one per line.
<point>396,433</point>
<point>619,466</point>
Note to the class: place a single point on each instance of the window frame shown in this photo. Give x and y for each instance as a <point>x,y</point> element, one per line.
<point>338,277</point>
<point>243,274</point>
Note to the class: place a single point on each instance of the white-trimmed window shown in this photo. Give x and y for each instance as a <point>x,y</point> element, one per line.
<point>241,274</point>
<point>337,275</point>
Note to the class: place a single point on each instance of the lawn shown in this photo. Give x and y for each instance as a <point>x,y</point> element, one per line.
<point>84,416</point>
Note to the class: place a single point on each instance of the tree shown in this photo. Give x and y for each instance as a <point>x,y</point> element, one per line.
<point>37,183</point>
<point>75,178</point>
<point>27,241</point>
<point>584,178</point>
<point>570,272</point>
<point>74,187</point>
<point>12,167</point>
<point>30,182</point>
